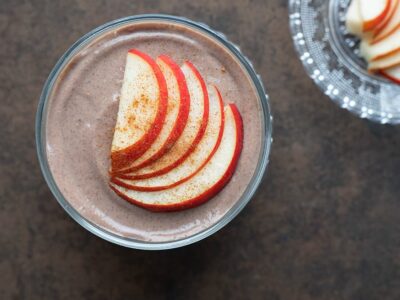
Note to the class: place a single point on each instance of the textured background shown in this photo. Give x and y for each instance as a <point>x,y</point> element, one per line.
<point>324,224</point>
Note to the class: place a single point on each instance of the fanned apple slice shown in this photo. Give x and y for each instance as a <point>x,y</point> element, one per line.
<point>191,135</point>
<point>177,113</point>
<point>384,48</point>
<point>390,26</point>
<point>354,21</point>
<point>142,108</point>
<point>392,74</point>
<point>373,12</point>
<point>196,160</point>
<point>393,10</point>
<point>385,62</point>
<point>206,183</point>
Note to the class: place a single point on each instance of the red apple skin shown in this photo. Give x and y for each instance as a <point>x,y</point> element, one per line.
<point>160,188</point>
<point>394,79</point>
<point>199,135</point>
<point>375,41</point>
<point>122,158</point>
<point>378,70</point>
<point>382,26</point>
<point>370,25</point>
<point>182,117</point>
<point>386,54</point>
<point>207,195</point>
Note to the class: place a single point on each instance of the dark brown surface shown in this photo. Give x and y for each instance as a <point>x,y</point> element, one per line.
<point>324,225</point>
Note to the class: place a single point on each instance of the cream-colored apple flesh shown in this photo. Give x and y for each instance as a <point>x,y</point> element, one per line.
<point>197,159</point>
<point>392,74</point>
<point>206,183</point>
<point>176,117</point>
<point>385,62</point>
<point>384,48</point>
<point>191,135</point>
<point>142,108</point>
<point>354,21</point>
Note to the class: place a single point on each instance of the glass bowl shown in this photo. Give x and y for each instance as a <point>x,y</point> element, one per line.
<point>44,150</point>
<point>331,58</point>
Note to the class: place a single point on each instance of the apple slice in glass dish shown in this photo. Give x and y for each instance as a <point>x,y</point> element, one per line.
<point>330,51</point>
<point>392,73</point>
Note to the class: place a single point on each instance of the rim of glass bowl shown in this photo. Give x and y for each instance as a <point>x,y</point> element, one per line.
<point>40,128</point>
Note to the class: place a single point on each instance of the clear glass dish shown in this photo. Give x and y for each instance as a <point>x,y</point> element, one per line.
<point>256,178</point>
<point>331,58</point>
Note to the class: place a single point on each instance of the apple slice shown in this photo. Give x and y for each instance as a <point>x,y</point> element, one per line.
<point>191,135</point>
<point>373,12</point>
<point>354,21</point>
<point>206,183</point>
<point>196,160</point>
<point>385,62</point>
<point>392,74</point>
<point>384,48</point>
<point>177,113</point>
<point>142,108</point>
<point>390,25</point>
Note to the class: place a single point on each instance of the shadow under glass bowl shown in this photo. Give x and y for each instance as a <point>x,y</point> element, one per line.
<point>266,135</point>
<point>331,58</point>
